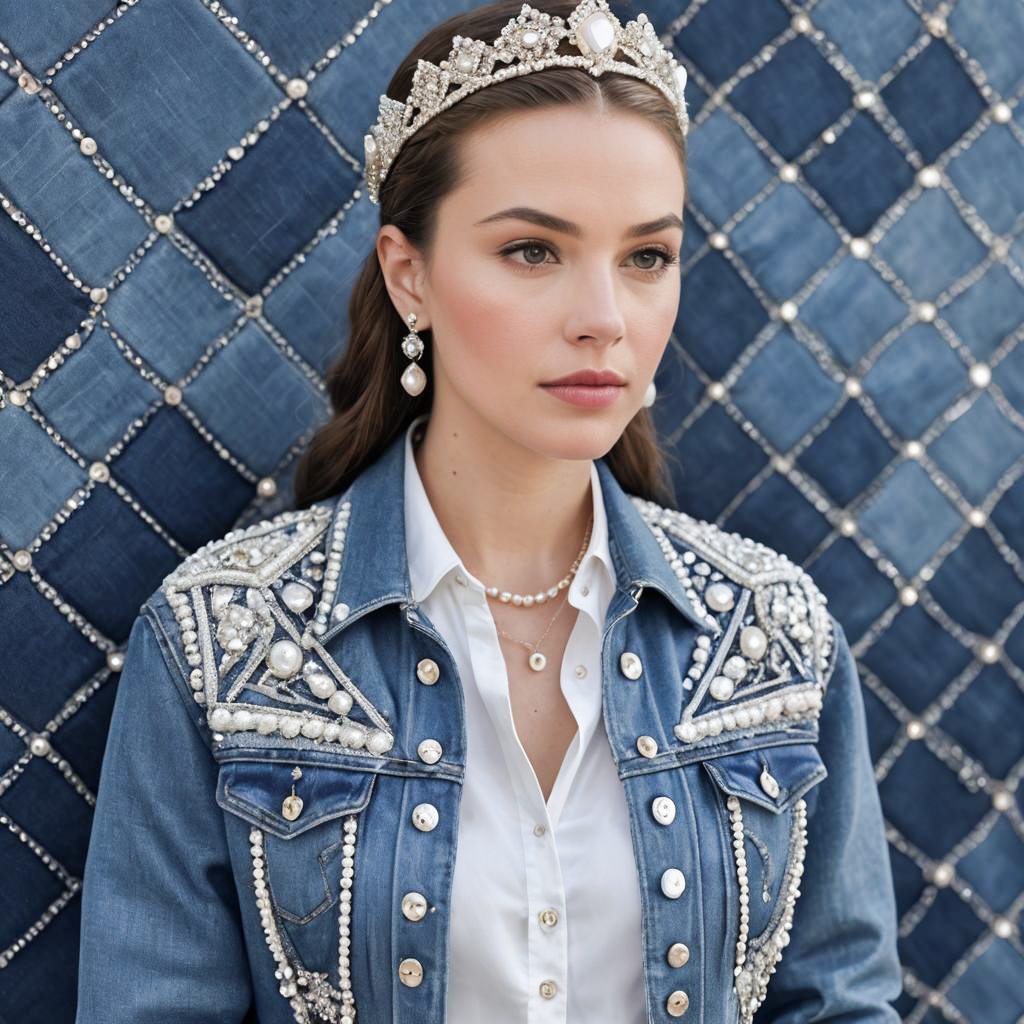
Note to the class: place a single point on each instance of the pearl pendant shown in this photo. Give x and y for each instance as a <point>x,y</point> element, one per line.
<point>537,661</point>
<point>414,380</point>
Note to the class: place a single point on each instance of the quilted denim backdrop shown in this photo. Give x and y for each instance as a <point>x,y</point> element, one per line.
<point>181,220</point>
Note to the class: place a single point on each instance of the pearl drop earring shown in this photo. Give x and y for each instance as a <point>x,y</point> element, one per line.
<point>414,380</point>
<point>649,395</point>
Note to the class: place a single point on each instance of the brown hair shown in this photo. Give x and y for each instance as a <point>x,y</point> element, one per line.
<point>370,407</point>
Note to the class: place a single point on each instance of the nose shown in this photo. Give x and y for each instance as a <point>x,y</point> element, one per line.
<point>596,315</point>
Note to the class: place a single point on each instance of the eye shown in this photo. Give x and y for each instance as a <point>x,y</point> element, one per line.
<point>533,248</point>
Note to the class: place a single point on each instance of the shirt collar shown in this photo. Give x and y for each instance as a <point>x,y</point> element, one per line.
<point>432,557</point>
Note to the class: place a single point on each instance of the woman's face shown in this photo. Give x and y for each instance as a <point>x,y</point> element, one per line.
<point>557,253</point>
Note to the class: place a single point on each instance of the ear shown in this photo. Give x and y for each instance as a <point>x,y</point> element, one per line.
<point>403,269</point>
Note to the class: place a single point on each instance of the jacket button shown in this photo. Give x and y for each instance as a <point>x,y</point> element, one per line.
<point>428,672</point>
<point>673,882</point>
<point>414,906</point>
<point>664,810</point>
<point>632,667</point>
<point>548,989</point>
<point>410,972</point>
<point>677,1003</point>
<point>678,954</point>
<point>647,745</point>
<point>429,751</point>
<point>769,784</point>
<point>425,817</point>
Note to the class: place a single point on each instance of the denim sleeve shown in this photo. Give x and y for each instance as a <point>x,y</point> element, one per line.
<point>841,963</point>
<point>161,936</point>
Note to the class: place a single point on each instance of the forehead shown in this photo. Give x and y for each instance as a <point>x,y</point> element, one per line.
<point>570,157</point>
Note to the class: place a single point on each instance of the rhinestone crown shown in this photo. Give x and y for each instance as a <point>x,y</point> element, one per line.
<point>528,42</point>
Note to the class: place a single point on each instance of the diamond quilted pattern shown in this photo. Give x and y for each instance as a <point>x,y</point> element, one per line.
<point>986,720</point>
<point>874,39</point>
<point>993,33</point>
<point>987,312</point>
<point>931,950</point>
<point>990,176</point>
<point>993,978</point>
<point>995,867</point>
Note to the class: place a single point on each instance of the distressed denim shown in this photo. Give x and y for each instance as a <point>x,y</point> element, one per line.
<point>208,897</point>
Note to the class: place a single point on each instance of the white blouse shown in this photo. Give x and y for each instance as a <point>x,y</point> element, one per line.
<point>545,915</point>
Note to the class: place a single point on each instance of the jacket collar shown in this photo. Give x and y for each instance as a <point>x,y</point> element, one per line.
<point>375,570</point>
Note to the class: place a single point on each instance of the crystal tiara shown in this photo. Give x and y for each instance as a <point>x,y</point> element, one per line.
<point>528,42</point>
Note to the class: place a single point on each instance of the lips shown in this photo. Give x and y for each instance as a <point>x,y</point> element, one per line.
<point>588,378</point>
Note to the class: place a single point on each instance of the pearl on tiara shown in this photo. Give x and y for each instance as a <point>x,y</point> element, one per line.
<point>529,42</point>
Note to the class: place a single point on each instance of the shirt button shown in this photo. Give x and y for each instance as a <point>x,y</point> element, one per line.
<point>428,672</point>
<point>584,590</point>
<point>581,671</point>
<point>548,989</point>
<point>410,972</point>
<point>549,917</point>
<point>677,1003</point>
<point>678,954</point>
<point>460,579</point>
<point>673,882</point>
<point>539,830</point>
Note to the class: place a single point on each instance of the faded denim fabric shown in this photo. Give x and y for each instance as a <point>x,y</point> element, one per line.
<point>190,818</point>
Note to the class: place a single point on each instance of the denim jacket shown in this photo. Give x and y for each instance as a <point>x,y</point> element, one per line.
<point>277,819</point>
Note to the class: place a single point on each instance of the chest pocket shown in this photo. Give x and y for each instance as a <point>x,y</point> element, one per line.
<point>763,791</point>
<point>302,853</point>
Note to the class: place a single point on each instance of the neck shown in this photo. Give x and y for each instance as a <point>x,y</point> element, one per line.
<point>515,518</point>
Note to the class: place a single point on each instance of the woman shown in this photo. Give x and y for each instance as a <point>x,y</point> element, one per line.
<point>482,731</point>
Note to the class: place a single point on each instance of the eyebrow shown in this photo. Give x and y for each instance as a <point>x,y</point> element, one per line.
<point>566,227</point>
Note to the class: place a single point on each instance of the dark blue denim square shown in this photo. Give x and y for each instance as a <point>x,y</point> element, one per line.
<point>166,90</point>
<point>995,867</point>
<point>949,926</point>
<point>909,518</point>
<point>37,887</point>
<point>82,736</point>
<point>993,983</point>
<point>39,306</point>
<point>793,98</point>
<point>990,175</point>
<point>272,401</point>
<point>168,311</point>
<point>916,657</point>
<point>680,391</point>
<point>993,34</point>
<point>847,455</point>
<point>1008,515</point>
<point>852,309</point>
<point>38,42</point>
<point>934,100</point>
<point>104,559</point>
<point>860,175</point>
<point>930,246</point>
<point>49,648</point>
<point>882,723</point>
<point>784,391</point>
<point>271,203</point>
<point>718,314</point>
<point>918,783</point>
<point>717,460</point>
<point>725,167</point>
<point>784,240</point>
<point>907,880</point>
<point>777,514</point>
<point>915,379</point>
<point>987,312</point>
<point>95,395</point>
<point>872,34</point>
<point>36,477</point>
<point>975,586</point>
<point>181,480</point>
<point>722,36</point>
<point>857,592</point>
<point>986,720</point>
<point>977,448</point>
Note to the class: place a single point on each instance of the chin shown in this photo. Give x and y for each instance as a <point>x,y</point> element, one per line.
<point>579,437</point>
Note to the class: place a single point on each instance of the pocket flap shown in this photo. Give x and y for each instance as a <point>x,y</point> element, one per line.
<point>256,790</point>
<point>795,767</point>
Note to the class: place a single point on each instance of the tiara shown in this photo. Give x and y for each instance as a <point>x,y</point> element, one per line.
<point>528,42</point>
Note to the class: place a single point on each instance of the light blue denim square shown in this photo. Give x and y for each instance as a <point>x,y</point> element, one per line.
<point>95,395</point>
<point>725,167</point>
<point>254,401</point>
<point>784,240</point>
<point>978,447</point>
<point>37,41</point>
<point>992,32</point>
<point>990,175</point>
<point>909,518</point>
<point>168,311</point>
<point>784,391</point>
<point>36,477</point>
<point>872,34</point>
<point>87,222</point>
<point>988,311</point>
<point>930,246</point>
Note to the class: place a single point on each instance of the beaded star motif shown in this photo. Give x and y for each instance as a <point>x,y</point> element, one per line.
<point>593,37</point>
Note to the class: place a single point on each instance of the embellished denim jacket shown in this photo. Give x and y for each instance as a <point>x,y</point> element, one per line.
<point>278,812</point>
